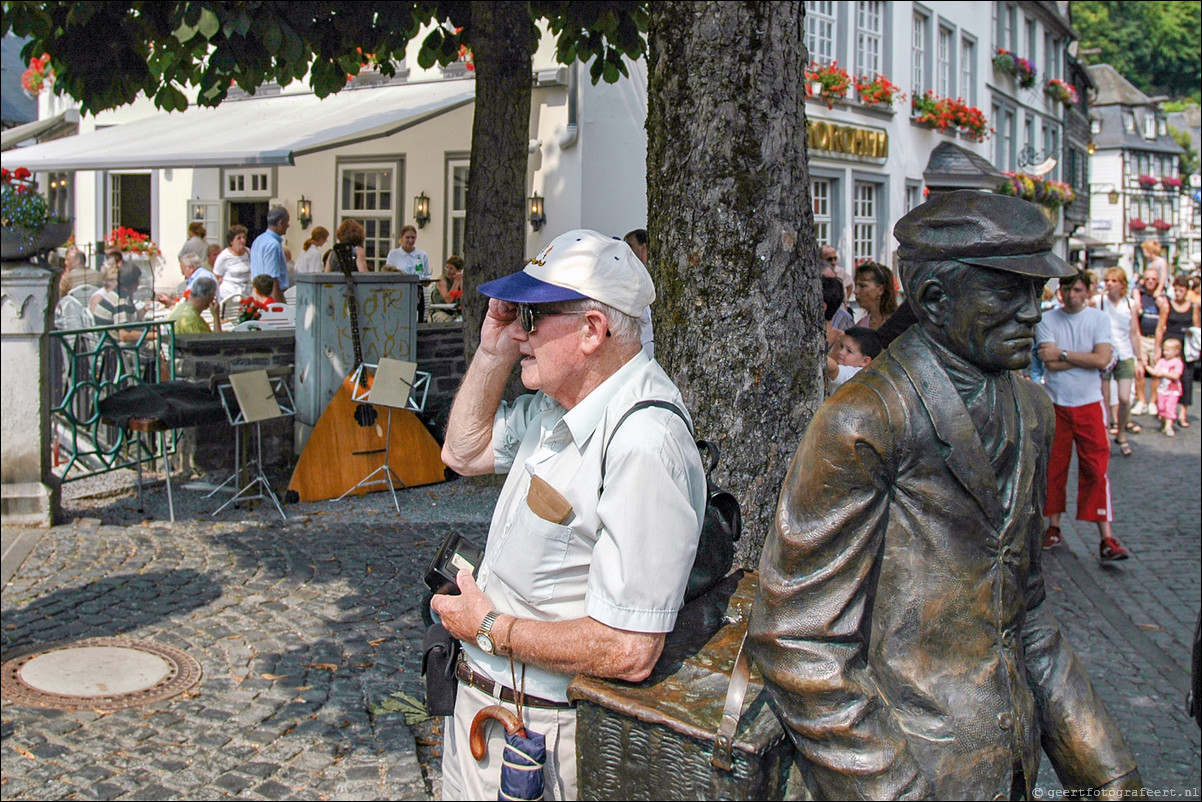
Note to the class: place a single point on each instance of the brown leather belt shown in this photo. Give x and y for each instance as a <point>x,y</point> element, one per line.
<point>467,676</point>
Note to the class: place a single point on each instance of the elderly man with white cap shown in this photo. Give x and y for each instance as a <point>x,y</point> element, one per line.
<point>585,569</point>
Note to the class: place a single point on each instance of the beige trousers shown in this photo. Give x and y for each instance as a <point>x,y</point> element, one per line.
<point>465,778</point>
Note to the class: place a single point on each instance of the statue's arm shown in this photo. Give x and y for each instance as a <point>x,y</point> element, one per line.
<point>810,628</point>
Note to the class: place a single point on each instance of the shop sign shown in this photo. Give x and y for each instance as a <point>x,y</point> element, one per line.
<point>840,141</point>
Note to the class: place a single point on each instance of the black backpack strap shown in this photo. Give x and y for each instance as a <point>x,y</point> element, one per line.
<point>640,405</point>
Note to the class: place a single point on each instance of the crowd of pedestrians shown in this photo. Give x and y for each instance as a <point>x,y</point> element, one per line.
<point>1106,353</point>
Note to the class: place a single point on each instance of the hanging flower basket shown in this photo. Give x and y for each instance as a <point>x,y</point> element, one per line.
<point>1147,181</point>
<point>1169,182</point>
<point>830,82</point>
<point>1161,225</point>
<point>28,225</point>
<point>877,91</point>
<point>1022,69</point>
<point>1061,90</point>
<point>19,242</point>
<point>1136,224</point>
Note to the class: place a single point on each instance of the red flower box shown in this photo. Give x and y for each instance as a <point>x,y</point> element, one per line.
<point>1136,224</point>
<point>1161,225</point>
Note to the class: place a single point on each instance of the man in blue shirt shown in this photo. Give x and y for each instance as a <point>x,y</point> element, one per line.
<point>267,252</point>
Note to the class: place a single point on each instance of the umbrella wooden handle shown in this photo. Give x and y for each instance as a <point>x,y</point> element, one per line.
<point>511,723</point>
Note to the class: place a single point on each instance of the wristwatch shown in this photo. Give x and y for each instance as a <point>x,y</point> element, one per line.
<point>1063,355</point>
<point>483,635</point>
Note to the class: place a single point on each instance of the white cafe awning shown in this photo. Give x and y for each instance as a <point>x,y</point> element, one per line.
<point>271,130</point>
<point>20,133</point>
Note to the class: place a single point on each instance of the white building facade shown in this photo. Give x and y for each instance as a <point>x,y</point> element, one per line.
<point>945,49</point>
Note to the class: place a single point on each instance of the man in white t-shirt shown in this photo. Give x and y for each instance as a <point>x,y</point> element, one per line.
<point>1074,344</point>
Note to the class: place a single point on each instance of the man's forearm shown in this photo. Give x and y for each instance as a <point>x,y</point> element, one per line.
<point>580,646</point>
<point>467,449</point>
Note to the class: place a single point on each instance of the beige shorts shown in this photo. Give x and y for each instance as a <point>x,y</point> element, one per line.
<point>1149,349</point>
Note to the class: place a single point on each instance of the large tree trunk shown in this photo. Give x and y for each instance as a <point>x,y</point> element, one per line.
<point>494,237</point>
<point>738,317</point>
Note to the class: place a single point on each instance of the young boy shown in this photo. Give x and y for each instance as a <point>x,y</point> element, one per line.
<point>856,348</point>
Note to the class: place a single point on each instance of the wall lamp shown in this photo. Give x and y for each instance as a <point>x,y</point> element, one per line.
<point>1092,148</point>
<point>421,210</point>
<point>304,211</point>
<point>537,218</point>
<point>1112,195</point>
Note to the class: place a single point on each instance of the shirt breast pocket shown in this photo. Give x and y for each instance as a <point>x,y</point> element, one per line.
<point>535,555</point>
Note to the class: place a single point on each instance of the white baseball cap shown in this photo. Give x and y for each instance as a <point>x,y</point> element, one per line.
<point>578,265</point>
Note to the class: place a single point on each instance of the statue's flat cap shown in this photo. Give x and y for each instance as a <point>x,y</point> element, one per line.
<point>980,228</point>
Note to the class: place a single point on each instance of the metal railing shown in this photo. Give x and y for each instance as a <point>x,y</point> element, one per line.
<point>87,365</point>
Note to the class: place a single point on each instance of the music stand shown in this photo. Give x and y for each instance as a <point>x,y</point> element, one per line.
<point>394,386</point>
<point>256,397</point>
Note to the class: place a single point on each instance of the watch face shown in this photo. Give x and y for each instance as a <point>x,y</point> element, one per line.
<point>484,642</point>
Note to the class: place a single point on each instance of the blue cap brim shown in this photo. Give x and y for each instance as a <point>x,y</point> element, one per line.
<point>522,288</point>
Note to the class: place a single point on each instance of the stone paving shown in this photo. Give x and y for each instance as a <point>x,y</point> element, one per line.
<point>304,627</point>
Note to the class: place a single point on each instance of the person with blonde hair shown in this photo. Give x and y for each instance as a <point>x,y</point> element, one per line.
<point>310,259</point>
<point>1128,347</point>
<point>1154,260</point>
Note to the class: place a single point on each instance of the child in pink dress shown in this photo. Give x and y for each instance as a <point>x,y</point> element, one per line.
<point>1168,370</point>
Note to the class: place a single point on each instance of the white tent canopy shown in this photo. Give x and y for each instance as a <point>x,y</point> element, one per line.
<point>271,130</point>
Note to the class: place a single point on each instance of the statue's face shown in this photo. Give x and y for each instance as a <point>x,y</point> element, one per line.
<point>990,317</point>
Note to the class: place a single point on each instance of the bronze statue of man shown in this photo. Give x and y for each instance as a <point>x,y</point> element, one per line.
<point>900,620</point>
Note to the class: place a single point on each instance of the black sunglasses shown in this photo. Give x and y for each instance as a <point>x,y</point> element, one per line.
<point>528,315</point>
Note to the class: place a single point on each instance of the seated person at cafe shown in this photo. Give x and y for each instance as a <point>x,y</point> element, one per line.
<point>260,290</point>
<point>856,349</point>
<point>117,305</point>
<point>448,291</point>
<point>186,314</point>
<point>76,273</point>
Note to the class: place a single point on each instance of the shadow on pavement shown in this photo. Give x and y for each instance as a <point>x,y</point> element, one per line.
<point>106,607</point>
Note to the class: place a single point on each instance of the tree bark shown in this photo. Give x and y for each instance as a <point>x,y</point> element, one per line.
<point>494,237</point>
<point>738,317</point>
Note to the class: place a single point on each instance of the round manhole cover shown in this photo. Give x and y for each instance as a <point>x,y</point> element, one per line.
<point>98,674</point>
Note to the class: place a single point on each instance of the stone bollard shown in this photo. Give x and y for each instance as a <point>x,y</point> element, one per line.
<point>28,293</point>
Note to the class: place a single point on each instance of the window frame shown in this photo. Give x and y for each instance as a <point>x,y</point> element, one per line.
<point>454,161</point>
<point>390,216</point>
<point>820,18</point>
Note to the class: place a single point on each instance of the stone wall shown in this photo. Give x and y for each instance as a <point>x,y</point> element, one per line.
<point>202,356</point>
<point>440,353</point>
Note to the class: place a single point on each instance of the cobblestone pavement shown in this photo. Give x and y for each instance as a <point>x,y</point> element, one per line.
<point>303,627</point>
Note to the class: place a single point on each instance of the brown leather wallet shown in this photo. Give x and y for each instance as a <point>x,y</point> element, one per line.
<point>467,676</point>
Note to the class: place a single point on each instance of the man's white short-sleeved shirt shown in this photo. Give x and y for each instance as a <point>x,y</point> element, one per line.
<point>623,555</point>
<point>1079,333</point>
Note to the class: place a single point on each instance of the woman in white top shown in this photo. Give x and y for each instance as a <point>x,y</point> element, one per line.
<point>232,266</point>
<point>1128,349</point>
<point>310,259</point>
